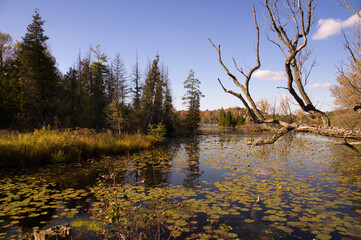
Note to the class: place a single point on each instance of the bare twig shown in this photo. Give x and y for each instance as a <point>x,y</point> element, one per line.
<point>346,4</point>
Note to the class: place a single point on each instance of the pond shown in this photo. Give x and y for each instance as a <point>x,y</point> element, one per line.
<point>213,186</point>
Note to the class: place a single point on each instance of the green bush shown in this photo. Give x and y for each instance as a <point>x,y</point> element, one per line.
<point>158,132</point>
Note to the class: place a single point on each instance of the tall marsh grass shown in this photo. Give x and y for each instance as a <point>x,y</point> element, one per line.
<point>45,146</point>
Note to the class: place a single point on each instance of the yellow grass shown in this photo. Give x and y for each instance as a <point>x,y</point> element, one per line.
<point>45,146</point>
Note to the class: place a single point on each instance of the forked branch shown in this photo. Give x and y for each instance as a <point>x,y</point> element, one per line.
<point>346,4</point>
<point>250,105</point>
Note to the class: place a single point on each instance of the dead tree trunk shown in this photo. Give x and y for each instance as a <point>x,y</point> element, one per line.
<point>292,45</point>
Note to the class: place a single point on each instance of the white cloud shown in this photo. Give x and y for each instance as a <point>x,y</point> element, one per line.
<point>329,27</point>
<point>270,75</point>
<point>320,85</point>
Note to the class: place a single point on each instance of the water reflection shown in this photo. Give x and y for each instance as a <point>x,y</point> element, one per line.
<point>192,171</point>
<point>156,170</point>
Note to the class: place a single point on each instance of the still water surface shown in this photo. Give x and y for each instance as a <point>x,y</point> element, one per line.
<point>308,188</point>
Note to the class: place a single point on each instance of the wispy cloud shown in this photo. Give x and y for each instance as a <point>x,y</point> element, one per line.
<point>329,27</point>
<point>320,85</point>
<point>270,75</point>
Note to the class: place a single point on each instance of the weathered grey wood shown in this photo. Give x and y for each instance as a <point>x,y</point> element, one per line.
<point>60,232</point>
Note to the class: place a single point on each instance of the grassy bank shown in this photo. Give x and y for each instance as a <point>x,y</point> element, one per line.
<point>46,146</point>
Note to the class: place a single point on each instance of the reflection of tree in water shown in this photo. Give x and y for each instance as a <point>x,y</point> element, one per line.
<point>347,163</point>
<point>287,145</point>
<point>270,158</point>
<point>192,172</point>
<point>155,172</point>
<point>153,167</point>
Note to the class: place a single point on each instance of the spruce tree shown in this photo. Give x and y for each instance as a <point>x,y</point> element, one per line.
<point>84,79</point>
<point>117,86</point>
<point>98,101</point>
<point>39,76</point>
<point>229,119</point>
<point>70,107</point>
<point>168,113</point>
<point>221,118</point>
<point>192,99</point>
<point>150,96</point>
<point>137,86</point>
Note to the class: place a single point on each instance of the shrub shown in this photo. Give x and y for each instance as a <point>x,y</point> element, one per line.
<point>157,132</point>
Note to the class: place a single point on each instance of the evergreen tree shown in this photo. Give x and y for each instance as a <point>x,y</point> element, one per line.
<point>168,109</point>
<point>151,92</point>
<point>117,86</point>
<point>137,86</point>
<point>83,81</point>
<point>158,99</point>
<point>116,116</point>
<point>70,107</point>
<point>192,99</point>
<point>98,102</point>
<point>229,119</point>
<point>39,76</point>
<point>240,120</point>
<point>221,118</point>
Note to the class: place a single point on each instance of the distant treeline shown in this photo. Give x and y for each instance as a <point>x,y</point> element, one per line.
<point>233,117</point>
<point>96,92</point>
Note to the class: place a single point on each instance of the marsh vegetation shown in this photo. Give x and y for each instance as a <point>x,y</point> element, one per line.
<point>44,146</point>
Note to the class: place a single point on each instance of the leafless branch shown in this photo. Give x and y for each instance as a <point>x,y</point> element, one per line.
<point>346,4</point>
<point>251,106</point>
<point>348,47</point>
<point>238,69</point>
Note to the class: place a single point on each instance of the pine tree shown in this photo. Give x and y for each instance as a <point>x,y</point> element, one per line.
<point>168,113</point>
<point>192,99</point>
<point>229,119</point>
<point>137,86</point>
<point>70,107</point>
<point>158,99</point>
<point>116,116</point>
<point>117,87</point>
<point>98,102</point>
<point>39,76</point>
<point>150,95</point>
<point>240,120</point>
<point>221,118</point>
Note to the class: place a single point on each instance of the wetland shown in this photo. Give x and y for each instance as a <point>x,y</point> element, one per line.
<point>212,186</point>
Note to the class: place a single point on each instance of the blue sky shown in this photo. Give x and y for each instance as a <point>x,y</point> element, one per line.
<point>178,31</point>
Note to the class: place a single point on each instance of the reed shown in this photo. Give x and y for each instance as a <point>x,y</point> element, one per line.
<point>43,146</point>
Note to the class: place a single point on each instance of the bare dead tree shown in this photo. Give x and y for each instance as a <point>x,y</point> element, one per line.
<point>247,101</point>
<point>293,46</point>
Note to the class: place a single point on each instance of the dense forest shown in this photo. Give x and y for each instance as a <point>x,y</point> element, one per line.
<point>96,92</point>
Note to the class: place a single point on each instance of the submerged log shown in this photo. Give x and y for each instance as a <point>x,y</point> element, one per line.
<point>60,232</point>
